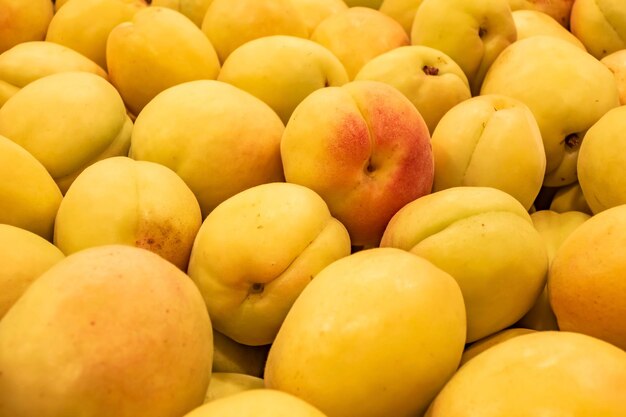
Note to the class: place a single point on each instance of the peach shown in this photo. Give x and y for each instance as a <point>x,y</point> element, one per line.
<point>533,22</point>
<point>364,148</point>
<point>22,21</point>
<point>600,25</point>
<point>402,11</point>
<point>559,10</point>
<point>616,62</point>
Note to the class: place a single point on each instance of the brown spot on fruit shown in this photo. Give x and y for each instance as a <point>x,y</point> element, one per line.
<point>429,70</point>
<point>573,141</point>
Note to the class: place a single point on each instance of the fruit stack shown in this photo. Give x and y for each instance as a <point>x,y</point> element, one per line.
<point>309,208</point>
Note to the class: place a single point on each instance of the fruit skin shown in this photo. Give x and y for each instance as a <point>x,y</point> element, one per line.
<point>601,162</point>
<point>85,25</point>
<point>160,48</point>
<point>554,228</point>
<point>29,61</point>
<point>569,198</point>
<point>314,11</point>
<point>24,256</point>
<point>193,9</point>
<point>224,384</point>
<point>23,21</point>
<point>20,175</point>
<point>233,357</point>
<point>585,284</point>
<point>362,338</point>
<point>282,70</point>
<point>600,25</point>
<point>490,141</point>
<point>586,88</point>
<point>220,139</point>
<point>364,149</point>
<point>430,79</point>
<point>257,251</point>
<point>67,121</point>
<point>358,34</point>
<point>403,11</point>
<point>229,24</point>
<point>550,373</point>
<point>559,10</point>
<point>485,239</point>
<point>112,330</point>
<point>616,62</point>
<point>472,33</point>
<point>483,344</point>
<point>122,201</point>
<point>534,22</point>
<point>257,403</point>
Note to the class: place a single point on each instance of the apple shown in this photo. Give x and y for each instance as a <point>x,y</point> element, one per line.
<point>472,33</point>
<point>122,201</point>
<point>282,70</point>
<point>485,239</point>
<point>569,198</point>
<point>533,22</point>
<point>24,257</point>
<point>485,343</point>
<point>540,373</point>
<point>23,21</point>
<point>85,25</point>
<point>554,228</point>
<point>257,403</point>
<point>67,121</point>
<point>29,61</point>
<point>566,89</point>
<point>229,24</point>
<point>376,333</point>
<point>601,162</point>
<point>233,357</point>
<point>600,25</point>
<point>257,251</point>
<point>224,384</point>
<point>193,9</point>
<point>429,78</point>
<point>490,141</point>
<point>220,139</point>
<point>364,148</point>
<point>616,62</point>
<point>402,11</point>
<point>20,205</point>
<point>358,34</point>
<point>585,285</point>
<point>559,10</point>
<point>160,48</point>
<point>109,331</point>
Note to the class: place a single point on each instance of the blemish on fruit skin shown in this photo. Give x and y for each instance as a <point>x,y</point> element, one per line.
<point>429,70</point>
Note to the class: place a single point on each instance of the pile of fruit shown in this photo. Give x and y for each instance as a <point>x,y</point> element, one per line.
<point>309,208</point>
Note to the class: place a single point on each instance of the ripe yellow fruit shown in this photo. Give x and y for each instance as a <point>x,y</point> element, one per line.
<point>108,331</point>
<point>485,343</point>
<point>377,333</point>
<point>224,384</point>
<point>586,285</point>
<point>546,373</point>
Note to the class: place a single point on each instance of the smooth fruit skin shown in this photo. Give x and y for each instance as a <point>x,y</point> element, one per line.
<point>257,251</point>
<point>559,10</point>
<point>218,138</point>
<point>402,11</point>
<point>587,90</point>
<point>233,357</point>
<point>20,174</point>
<point>85,25</point>
<point>430,79</point>
<point>490,141</point>
<point>224,384</point>
<point>541,373</point>
<point>484,238</point>
<point>158,49</point>
<point>23,21</point>
<point>377,333</point>
<point>67,121</point>
<point>282,70</point>
<point>570,198</point>
<point>193,9</point>
<point>314,11</point>
<point>257,403</point>
<point>600,25</point>
<point>112,330</point>
<point>585,284</point>
<point>472,33</point>
<point>364,149</point>
<point>601,162</point>
<point>534,22</point>
<point>122,201</point>
<point>24,256</point>
<point>481,345</point>
<point>616,62</point>
<point>29,61</point>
